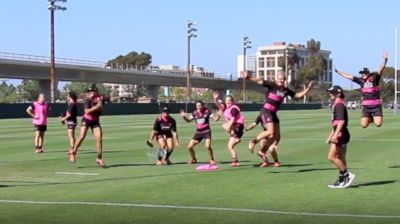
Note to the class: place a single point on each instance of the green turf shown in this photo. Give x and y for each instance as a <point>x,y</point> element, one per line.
<point>298,187</point>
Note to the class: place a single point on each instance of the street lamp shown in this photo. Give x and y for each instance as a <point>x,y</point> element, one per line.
<point>246,45</point>
<point>190,33</point>
<point>53,7</point>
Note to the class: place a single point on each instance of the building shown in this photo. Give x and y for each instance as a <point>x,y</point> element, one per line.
<point>250,64</point>
<point>266,61</point>
<point>126,90</point>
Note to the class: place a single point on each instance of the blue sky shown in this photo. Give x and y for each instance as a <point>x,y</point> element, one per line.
<point>357,31</point>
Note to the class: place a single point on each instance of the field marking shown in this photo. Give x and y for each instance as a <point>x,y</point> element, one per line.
<point>202,208</point>
<point>80,174</point>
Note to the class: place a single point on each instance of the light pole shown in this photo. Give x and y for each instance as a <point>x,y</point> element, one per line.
<point>190,33</point>
<point>246,45</point>
<point>53,7</point>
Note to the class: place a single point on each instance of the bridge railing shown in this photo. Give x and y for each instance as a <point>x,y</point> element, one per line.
<point>114,66</point>
<point>44,59</point>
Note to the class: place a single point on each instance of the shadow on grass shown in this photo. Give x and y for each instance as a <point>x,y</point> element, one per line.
<point>394,167</point>
<point>373,183</point>
<point>6,186</point>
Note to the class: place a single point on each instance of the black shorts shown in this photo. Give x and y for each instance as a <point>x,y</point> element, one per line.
<point>71,125</point>
<point>237,131</point>
<point>91,124</point>
<point>343,138</point>
<point>268,116</point>
<point>40,127</point>
<point>165,135</point>
<point>200,136</point>
<point>372,111</point>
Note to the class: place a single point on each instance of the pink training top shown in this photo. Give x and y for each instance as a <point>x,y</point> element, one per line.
<point>228,114</point>
<point>40,113</point>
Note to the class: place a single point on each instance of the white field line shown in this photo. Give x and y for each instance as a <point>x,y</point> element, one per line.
<point>79,174</point>
<point>245,210</point>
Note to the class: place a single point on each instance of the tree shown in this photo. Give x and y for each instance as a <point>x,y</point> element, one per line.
<point>8,93</point>
<point>130,60</point>
<point>315,64</point>
<point>80,89</point>
<point>29,90</point>
<point>179,94</point>
<point>292,59</point>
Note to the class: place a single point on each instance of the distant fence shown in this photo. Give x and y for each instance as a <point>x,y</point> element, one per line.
<point>19,110</point>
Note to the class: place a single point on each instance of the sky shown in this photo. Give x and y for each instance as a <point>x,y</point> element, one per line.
<point>355,31</point>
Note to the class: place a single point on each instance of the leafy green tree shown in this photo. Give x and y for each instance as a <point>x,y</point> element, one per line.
<point>29,90</point>
<point>8,93</point>
<point>80,89</point>
<point>130,60</point>
<point>179,94</point>
<point>315,64</point>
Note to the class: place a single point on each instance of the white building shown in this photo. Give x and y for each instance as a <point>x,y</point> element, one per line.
<point>266,61</point>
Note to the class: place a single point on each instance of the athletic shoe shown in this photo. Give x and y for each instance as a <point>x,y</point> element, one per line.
<point>235,164</point>
<point>212,162</point>
<point>72,157</point>
<point>348,180</point>
<point>100,162</point>
<point>193,161</point>
<point>264,164</point>
<point>277,164</point>
<point>39,151</point>
<point>159,163</point>
<point>337,184</point>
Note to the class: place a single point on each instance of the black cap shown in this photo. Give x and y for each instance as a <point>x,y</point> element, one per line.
<point>364,71</point>
<point>335,89</point>
<point>92,88</point>
<point>165,109</point>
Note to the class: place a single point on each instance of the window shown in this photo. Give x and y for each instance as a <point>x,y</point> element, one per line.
<point>261,62</point>
<point>271,75</point>
<point>270,62</point>
<point>261,74</point>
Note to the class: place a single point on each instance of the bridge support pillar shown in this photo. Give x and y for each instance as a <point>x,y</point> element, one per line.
<point>45,88</point>
<point>153,91</point>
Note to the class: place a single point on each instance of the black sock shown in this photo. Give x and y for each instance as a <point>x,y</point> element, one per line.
<point>169,152</point>
<point>99,155</point>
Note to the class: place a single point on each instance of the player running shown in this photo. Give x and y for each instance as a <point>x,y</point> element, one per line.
<point>277,91</point>
<point>262,153</point>
<point>234,124</point>
<point>91,119</point>
<point>202,117</point>
<point>339,138</point>
<point>371,102</point>
<point>39,110</point>
<point>164,129</point>
<point>69,117</point>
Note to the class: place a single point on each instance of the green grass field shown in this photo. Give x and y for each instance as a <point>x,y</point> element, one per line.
<point>40,189</point>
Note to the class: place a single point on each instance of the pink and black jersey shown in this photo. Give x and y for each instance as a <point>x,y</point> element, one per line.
<point>339,114</point>
<point>275,95</point>
<point>233,112</point>
<point>40,111</point>
<point>202,119</point>
<point>164,125</point>
<point>73,112</point>
<point>370,89</point>
<point>95,115</point>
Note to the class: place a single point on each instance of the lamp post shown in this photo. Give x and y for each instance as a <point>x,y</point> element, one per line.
<point>190,33</point>
<point>246,45</point>
<point>53,7</point>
